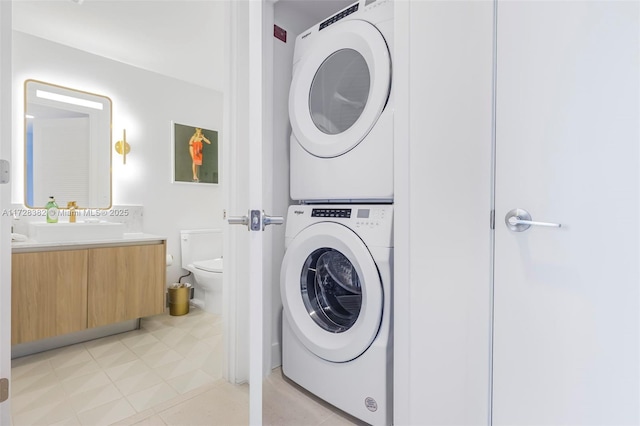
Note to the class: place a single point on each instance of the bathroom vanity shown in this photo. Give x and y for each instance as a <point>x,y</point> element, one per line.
<point>67,287</point>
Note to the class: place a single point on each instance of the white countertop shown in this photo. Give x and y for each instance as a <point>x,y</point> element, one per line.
<point>128,239</point>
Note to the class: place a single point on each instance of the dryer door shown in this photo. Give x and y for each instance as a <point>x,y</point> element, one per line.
<point>340,88</point>
<point>331,292</point>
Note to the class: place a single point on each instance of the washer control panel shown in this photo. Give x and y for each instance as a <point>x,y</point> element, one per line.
<point>370,217</point>
<point>345,213</point>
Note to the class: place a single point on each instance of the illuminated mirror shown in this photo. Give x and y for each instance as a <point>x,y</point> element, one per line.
<point>67,146</point>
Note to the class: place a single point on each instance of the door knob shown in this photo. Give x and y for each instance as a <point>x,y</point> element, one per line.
<point>271,220</point>
<point>256,220</point>
<point>239,220</point>
<point>519,220</point>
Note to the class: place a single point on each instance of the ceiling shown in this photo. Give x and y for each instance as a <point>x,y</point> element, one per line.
<point>184,39</point>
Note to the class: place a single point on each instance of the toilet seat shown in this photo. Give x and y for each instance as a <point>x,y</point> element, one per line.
<point>211,265</point>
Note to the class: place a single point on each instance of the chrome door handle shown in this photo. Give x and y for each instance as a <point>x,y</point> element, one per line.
<point>256,220</point>
<point>519,220</point>
<point>271,220</point>
<point>239,220</point>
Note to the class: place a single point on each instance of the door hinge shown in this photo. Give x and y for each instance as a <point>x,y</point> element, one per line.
<point>492,219</point>
<point>4,390</point>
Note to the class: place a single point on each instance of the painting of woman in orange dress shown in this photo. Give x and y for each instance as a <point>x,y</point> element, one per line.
<point>195,154</point>
<point>195,149</point>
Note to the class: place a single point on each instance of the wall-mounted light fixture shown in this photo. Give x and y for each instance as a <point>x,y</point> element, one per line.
<point>122,147</point>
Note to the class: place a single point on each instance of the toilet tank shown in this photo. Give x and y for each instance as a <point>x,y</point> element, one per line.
<point>200,244</point>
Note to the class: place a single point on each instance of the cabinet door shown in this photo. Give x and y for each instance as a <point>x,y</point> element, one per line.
<point>48,294</point>
<point>125,283</point>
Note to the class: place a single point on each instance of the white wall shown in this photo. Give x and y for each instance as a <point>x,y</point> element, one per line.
<point>144,103</point>
<point>443,82</point>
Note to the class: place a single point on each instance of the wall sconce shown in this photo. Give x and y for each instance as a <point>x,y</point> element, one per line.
<point>122,147</point>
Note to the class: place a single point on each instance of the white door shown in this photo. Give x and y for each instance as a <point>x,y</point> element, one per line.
<point>5,200</point>
<point>249,194</point>
<point>566,299</point>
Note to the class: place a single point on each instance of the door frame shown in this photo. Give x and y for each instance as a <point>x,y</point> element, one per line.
<point>5,201</point>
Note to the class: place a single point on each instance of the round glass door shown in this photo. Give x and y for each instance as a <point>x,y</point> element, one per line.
<point>339,88</point>
<point>339,91</point>
<point>331,290</point>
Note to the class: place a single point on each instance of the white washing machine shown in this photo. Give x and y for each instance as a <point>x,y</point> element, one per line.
<point>336,294</point>
<point>340,107</point>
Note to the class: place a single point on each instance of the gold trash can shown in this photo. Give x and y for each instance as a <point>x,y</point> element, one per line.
<point>179,299</point>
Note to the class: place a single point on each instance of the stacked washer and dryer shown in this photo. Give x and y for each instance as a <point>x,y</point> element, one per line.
<point>336,277</point>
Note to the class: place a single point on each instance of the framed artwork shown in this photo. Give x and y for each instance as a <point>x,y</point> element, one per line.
<point>195,155</point>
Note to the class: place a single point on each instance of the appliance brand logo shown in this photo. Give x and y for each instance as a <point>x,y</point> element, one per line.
<point>306,34</point>
<point>298,212</point>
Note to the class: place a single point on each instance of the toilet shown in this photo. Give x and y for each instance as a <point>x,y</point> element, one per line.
<point>201,252</point>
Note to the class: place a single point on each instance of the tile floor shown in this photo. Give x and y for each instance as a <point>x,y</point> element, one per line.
<point>169,372</point>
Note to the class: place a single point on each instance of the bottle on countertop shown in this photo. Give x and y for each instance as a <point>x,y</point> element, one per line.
<point>52,210</point>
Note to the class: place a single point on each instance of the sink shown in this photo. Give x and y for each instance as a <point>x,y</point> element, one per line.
<point>43,232</point>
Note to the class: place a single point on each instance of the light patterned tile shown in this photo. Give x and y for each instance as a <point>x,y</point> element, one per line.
<point>152,326</point>
<point>149,348</point>
<point>154,420</point>
<point>213,364</point>
<point>95,397</point>
<point>35,366</point>
<point>141,418</point>
<point>107,414</point>
<point>158,359</point>
<point>46,415</point>
<point>30,359</point>
<point>108,348</point>
<point>33,383</point>
<point>77,370</point>
<point>190,381</point>
<point>102,341</point>
<point>207,330</point>
<point>342,420</point>
<point>38,397</point>
<point>168,335</point>
<point>151,397</point>
<point>199,353</point>
<point>138,337</point>
<point>188,322</point>
<point>180,341</point>
<point>138,382</point>
<point>126,370</point>
<point>85,383</point>
<point>224,404</point>
<point>177,368</point>
<point>216,342</point>
<point>71,421</point>
<point>69,356</point>
<point>117,359</point>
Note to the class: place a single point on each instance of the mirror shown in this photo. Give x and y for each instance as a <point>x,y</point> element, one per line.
<point>67,146</point>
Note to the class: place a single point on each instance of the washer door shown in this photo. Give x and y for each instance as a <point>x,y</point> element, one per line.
<point>340,88</point>
<point>331,292</point>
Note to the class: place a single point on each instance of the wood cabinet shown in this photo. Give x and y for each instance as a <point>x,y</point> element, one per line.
<point>125,283</point>
<point>48,294</point>
<point>60,292</point>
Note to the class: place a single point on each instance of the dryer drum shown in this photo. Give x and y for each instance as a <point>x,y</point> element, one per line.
<point>331,290</point>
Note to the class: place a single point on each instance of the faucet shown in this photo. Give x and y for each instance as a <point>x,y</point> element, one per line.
<point>72,206</point>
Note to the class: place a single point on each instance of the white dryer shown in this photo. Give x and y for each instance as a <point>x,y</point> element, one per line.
<point>336,294</point>
<point>340,107</point>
